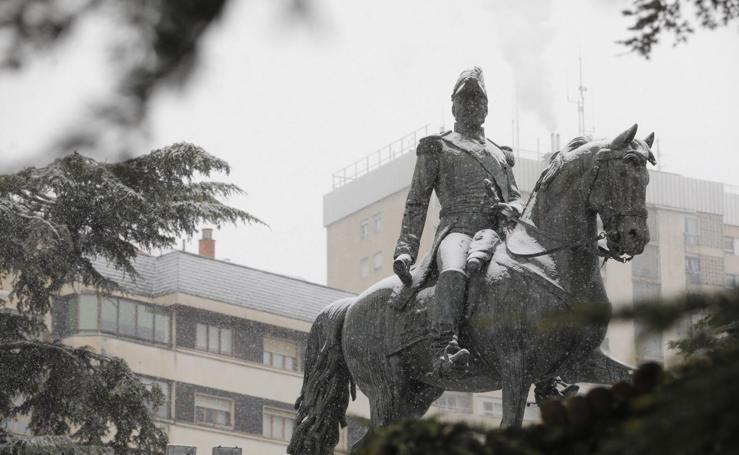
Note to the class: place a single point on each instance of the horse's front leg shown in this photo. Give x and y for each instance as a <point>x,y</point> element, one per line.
<point>515,382</point>
<point>515,395</point>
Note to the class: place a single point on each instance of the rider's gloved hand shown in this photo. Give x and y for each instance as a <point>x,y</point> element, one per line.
<point>507,211</point>
<point>402,268</point>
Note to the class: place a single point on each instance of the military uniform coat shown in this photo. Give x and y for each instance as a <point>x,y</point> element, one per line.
<point>455,166</point>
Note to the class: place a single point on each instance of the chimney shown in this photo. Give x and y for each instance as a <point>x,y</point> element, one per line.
<point>206,245</point>
<point>553,143</point>
<point>554,139</point>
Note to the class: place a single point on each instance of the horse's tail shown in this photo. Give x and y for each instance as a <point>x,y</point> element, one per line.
<point>327,385</point>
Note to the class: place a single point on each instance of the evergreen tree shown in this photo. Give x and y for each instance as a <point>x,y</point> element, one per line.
<point>54,221</point>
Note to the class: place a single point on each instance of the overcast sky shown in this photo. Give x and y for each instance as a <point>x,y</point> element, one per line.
<point>287,103</point>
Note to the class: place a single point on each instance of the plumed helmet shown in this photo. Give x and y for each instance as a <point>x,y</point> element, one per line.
<point>470,81</point>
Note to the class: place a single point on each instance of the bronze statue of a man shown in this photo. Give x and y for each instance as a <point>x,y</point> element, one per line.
<point>456,165</point>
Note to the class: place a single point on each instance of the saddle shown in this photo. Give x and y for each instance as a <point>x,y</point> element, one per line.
<point>409,323</point>
<point>412,324</point>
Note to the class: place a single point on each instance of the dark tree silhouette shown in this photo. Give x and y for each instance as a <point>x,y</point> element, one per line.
<point>154,44</point>
<point>655,18</point>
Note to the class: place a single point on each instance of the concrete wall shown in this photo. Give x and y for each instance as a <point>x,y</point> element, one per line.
<point>345,247</point>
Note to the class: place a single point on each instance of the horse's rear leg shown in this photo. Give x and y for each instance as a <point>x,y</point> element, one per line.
<point>515,391</point>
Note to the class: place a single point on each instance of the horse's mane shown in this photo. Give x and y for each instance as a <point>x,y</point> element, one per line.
<point>557,160</point>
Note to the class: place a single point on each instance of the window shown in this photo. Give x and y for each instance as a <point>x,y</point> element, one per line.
<point>645,291</point>
<point>161,327</point>
<point>201,337</point>
<point>377,261</point>
<point>226,340</point>
<point>652,225</point>
<point>646,265</point>
<point>282,354</point>
<point>109,315</point>
<point>213,411</point>
<point>691,230</point>
<point>693,269</point>
<point>731,245</point>
<point>127,318</point>
<point>88,312</point>
<point>364,267</point>
<point>163,411</point>
<point>492,407</point>
<point>277,424</point>
<point>213,338</point>
<point>363,229</point>
<point>120,317</point>
<point>377,223</point>
<point>732,280</point>
<point>144,322</point>
<point>458,402</point>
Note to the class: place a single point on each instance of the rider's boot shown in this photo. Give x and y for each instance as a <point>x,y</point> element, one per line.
<point>449,359</point>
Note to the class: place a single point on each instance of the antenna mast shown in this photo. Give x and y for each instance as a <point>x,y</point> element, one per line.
<point>580,101</point>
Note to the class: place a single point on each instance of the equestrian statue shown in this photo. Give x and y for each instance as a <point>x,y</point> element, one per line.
<point>493,305</point>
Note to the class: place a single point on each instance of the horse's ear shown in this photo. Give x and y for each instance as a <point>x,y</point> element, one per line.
<point>650,139</point>
<point>625,138</point>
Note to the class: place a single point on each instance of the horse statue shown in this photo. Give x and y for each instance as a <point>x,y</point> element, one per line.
<point>547,265</point>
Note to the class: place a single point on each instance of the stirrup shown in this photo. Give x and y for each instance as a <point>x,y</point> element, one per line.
<point>452,361</point>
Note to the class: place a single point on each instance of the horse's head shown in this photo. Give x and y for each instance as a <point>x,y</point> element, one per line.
<point>616,187</point>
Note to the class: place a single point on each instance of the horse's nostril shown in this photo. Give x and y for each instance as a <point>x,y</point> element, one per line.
<point>633,234</point>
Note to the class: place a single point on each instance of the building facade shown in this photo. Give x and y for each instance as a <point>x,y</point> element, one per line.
<point>224,342</point>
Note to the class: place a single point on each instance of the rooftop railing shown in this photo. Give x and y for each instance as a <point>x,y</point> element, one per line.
<point>394,150</point>
<point>377,158</point>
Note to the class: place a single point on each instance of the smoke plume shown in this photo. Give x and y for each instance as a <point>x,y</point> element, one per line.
<point>526,31</point>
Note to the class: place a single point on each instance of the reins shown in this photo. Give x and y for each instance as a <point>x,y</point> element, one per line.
<point>601,235</point>
<point>603,155</point>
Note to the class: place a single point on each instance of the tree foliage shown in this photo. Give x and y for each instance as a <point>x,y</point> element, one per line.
<point>153,44</point>
<point>49,445</point>
<point>654,18</point>
<point>689,409</point>
<point>73,391</point>
<point>54,221</point>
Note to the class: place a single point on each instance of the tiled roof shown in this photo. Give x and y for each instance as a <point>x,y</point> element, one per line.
<point>226,282</point>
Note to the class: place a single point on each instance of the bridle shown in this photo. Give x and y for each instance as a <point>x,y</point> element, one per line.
<point>601,156</point>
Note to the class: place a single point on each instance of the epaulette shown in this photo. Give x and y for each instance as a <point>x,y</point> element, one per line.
<point>510,158</point>
<point>429,144</point>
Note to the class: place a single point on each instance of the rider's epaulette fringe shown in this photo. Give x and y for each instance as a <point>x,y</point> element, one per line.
<point>428,145</point>
<point>509,156</point>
